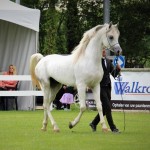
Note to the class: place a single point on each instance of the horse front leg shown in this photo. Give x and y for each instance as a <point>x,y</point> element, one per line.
<point>82,96</point>
<point>96,94</point>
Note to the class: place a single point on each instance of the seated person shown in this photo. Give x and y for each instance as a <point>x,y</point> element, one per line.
<point>8,85</point>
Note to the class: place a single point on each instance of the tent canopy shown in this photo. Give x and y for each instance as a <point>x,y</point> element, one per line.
<point>19,28</point>
<point>15,13</point>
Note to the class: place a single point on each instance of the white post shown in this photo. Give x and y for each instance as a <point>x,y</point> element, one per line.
<point>106,12</point>
<point>18,1</point>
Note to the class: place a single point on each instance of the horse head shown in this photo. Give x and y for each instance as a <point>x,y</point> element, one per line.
<point>110,38</point>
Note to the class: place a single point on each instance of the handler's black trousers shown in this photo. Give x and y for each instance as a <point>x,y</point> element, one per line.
<point>106,105</point>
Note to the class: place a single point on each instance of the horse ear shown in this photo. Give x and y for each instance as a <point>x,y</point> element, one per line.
<point>117,24</point>
<point>98,27</point>
<point>110,24</point>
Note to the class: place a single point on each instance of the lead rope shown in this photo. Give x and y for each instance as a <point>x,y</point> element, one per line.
<point>124,120</point>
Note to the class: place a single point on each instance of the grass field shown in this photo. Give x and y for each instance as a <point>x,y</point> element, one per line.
<point>20,130</point>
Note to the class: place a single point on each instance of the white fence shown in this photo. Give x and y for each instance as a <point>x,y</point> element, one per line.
<point>19,93</point>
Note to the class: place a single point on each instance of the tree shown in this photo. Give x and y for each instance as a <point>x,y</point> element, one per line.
<point>72,24</point>
<point>91,13</point>
<point>133,17</point>
<point>51,36</point>
<point>50,27</point>
<point>81,15</point>
<point>61,31</point>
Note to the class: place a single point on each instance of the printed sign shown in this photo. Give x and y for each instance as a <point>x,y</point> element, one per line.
<point>131,87</point>
<point>120,60</point>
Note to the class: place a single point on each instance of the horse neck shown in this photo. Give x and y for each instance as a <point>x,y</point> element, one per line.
<point>94,50</point>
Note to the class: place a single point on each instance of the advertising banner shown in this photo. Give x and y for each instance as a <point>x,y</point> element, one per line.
<point>131,91</point>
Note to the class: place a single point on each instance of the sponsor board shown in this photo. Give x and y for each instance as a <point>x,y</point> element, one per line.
<point>131,105</point>
<point>132,89</point>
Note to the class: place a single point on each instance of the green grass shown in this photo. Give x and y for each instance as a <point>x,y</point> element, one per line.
<point>20,130</point>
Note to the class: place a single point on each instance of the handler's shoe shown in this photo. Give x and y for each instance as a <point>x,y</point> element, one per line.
<point>93,127</point>
<point>116,131</point>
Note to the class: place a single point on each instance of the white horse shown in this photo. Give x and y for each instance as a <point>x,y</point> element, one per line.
<point>80,69</point>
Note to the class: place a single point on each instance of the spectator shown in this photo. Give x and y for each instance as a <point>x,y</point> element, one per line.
<point>7,103</point>
<point>67,97</point>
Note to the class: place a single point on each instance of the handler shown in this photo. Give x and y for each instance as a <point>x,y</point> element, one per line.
<point>105,94</point>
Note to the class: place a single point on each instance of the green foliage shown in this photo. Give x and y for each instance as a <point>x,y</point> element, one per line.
<point>50,27</point>
<point>133,17</point>
<point>72,25</point>
<point>52,30</point>
<point>21,130</point>
<point>30,3</point>
<point>91,13</point>
<point>61,30</point>
<point>81,15</point>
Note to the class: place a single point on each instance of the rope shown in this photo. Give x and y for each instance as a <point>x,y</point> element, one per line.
<point>116,62</point>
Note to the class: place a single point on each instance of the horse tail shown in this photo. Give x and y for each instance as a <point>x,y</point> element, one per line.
<point>35,58</point>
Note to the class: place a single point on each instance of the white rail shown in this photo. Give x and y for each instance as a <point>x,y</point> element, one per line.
<point>19,92</point>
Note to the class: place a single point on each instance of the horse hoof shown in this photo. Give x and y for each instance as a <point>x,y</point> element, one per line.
<point>56,130</point>
<point>105,130</point>
<point>43,129</point>
<point>70,125</point>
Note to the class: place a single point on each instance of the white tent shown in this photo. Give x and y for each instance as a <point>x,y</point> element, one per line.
<point>19,27</point>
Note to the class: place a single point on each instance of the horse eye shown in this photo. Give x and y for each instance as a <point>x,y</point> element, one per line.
<point>111,37</point>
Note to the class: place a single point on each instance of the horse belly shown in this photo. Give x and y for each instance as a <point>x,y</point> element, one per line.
<point>93,80</point>
<point>61,72</point>
<point>66,78</point>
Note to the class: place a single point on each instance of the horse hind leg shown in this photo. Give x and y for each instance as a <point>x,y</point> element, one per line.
<point>49,96</point>
<point>45,107</point>
<point>45,120</point>
<point>47,114</point>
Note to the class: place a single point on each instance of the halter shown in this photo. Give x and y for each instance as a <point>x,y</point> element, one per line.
<point>111,46</point>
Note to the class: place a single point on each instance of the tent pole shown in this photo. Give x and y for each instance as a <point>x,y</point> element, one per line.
<point>18,1</point>
<point>106,12</point>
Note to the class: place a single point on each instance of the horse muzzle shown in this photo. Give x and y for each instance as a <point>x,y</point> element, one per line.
<point>117,49</point>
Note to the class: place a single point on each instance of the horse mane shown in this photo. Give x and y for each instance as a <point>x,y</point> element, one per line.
<point>80,49</point>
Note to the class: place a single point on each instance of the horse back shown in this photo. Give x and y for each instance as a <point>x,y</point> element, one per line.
<point>58,67</point>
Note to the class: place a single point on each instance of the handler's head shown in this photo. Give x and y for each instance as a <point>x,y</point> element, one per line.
<point>104,53</point>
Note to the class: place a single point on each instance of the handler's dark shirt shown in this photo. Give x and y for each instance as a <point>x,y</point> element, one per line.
<point>108,69</point>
